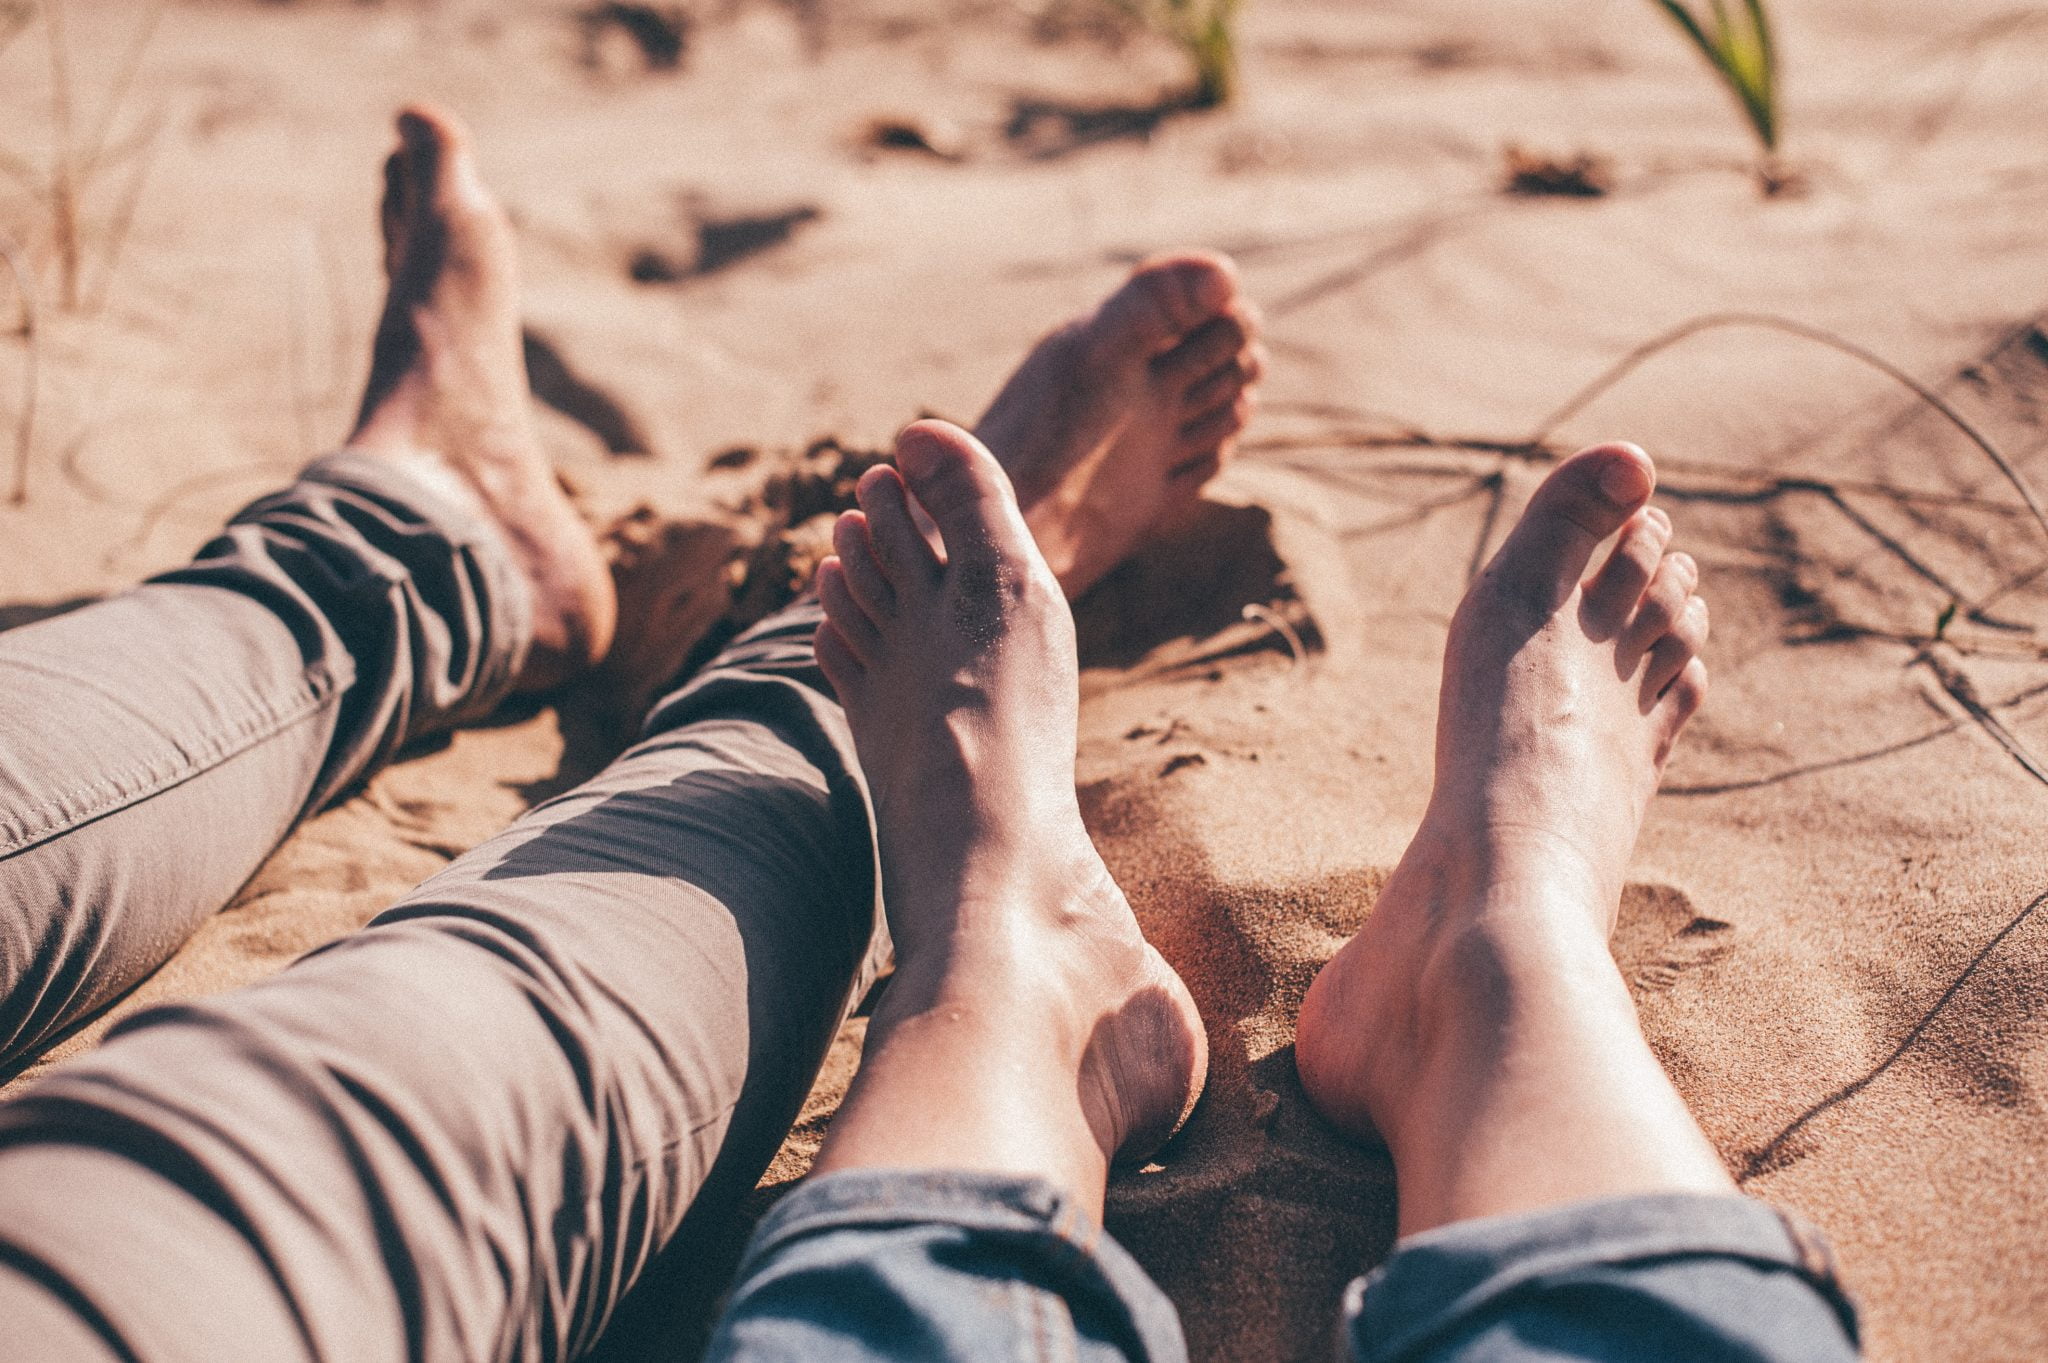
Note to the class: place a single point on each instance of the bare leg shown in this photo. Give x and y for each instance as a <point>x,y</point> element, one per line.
<point>1478,1022</point>
<point>1478,1019</point>
<point>1029,1025</point>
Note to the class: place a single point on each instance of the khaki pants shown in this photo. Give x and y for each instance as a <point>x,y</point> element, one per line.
<point>466,1130</point>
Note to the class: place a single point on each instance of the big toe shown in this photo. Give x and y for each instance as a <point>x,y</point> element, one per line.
<point>443,190</point>
<point>413,175</point>
<point>965,491</point>
<point>1164,300</point>
<point>437,149</point>
<point>1583,501</point>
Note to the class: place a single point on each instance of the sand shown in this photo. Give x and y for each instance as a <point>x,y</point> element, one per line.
<point>1831,924</point>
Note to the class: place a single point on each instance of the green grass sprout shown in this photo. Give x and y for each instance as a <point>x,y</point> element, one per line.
<point>1739,48</point>
<point>1206,30</point>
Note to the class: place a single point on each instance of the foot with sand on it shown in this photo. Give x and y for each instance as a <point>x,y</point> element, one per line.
<point>447,393</point>
<point>1026,1006</point>
<point>1115,421</point>
<point>1478,1022</point>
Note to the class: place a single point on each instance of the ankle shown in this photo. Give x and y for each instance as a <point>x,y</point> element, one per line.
<point>1484,982</point>
<point>1009,980</point>
<point>1484,860</point>
<point>1014,899</point>
<point>1005,1011</point>
<point>986,978</point>
<point>1457,965</point>
<point>1061,984</point>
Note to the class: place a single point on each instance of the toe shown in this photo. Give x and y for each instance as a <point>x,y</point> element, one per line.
<point>395,210</point>
<point>426,123</point>
<point>1237,373</point>
<point>1586,499</point>
<point>836,660</point>
<point>1213,427</point>
<point>900,551</point>
<point>958,482</point>
<point>1612,594</point>
<point>1663,602</point>
<point>1208,348</point>
<point>424,146</point>
<point>410,176</point>
<point>440,148</point>
<point>1165,299</point>
<point>855,626</point>
<point>864,577</point>
<point>1680,703</point>
<point>450,194</point>
<point>1670,655</point>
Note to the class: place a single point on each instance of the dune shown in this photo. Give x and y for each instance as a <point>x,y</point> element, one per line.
<point>1834,922</point>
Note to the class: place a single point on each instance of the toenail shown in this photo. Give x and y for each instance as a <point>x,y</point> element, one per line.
<point>1622,483</point>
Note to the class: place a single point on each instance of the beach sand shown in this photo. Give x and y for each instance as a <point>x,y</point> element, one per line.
<point>1831,925</point>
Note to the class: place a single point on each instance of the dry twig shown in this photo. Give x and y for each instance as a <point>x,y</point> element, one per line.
<point>25,427</point>
<point>76,167</point>
<point>1276,622</point>
<point>1628,364</point>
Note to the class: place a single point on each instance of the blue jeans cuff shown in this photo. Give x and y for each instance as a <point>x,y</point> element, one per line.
<point>872,1264</point>
<point>1710,1269</point>
<point>876,1198</point>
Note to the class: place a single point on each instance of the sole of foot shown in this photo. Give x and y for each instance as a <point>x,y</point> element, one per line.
<point>956,665</point>
<point>447,394</point>
<point>1563,694</point>
<point>1116,421</point>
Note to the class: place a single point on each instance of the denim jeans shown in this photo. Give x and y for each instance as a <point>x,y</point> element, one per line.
<point>865,1266</point>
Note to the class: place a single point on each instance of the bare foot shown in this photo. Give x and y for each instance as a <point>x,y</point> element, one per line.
<point>1561,701</point>
<point>958,677</point>
<point>447,390</point>
<point>1114,422</point>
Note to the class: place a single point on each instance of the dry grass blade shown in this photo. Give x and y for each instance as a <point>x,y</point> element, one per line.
<point>1740,50</point>
<point>99,147</point>
<point>1963,693</point>
<point>1780,1151</point>
<point>76,165</point>
<point>1277,622</point>
<point>124,214</point>
<point>25,425</point>
<point>64,187</point>
<point>1635,358</point>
